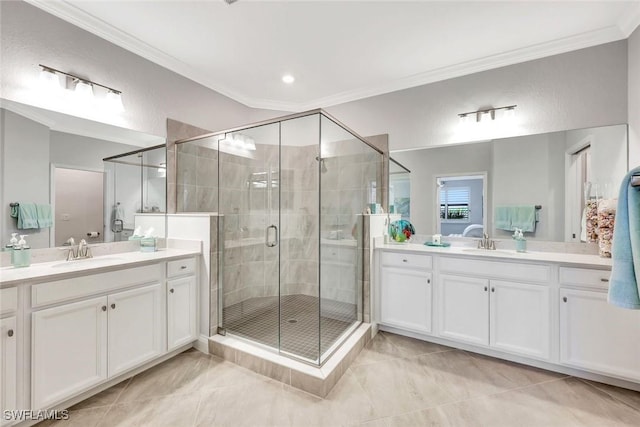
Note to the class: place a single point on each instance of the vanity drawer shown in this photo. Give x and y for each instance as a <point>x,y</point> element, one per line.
<point>398,259</point>
<point>8,300</point>
<point>585,277</point>
<point>497,269</point>
<point>77,287</point>
<point>181,267</point>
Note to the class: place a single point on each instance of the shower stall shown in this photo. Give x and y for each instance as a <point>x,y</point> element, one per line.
<point>134,188</point>
<point>290,194</point>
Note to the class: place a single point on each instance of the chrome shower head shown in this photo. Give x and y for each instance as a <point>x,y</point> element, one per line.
<point>323,166</point>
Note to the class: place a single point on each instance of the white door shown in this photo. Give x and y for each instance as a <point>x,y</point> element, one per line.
<point>68,350</point>
<point>598,336</point>
<point>405,299</point>
<point>136,327</point>
<point>8,366</point>
<point>181,312</point>
<point>464,309</point>
<point>519,320</point>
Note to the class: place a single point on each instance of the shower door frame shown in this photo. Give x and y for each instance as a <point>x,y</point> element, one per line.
<point>221,329</point>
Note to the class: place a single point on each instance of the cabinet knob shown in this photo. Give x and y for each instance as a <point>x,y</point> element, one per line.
<point>564,299</point>
<point>183,267</point>
<point>113,305</point>
<point>493,289</point>
<point>104,308</point>
<point>605,280</point>
<point>404,260</point>
<point>171,290</point>
<point>428,280</point>
<point>10,332</point>
<point>486,289</point>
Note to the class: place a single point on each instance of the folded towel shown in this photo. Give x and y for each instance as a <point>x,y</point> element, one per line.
<point>26,214</point>
<point>502,218</point>
<point>625,254</point>
<point>45,216</point>
<point>524,217</point>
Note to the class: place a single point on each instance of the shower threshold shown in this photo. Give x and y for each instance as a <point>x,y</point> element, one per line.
<point>317,380</point>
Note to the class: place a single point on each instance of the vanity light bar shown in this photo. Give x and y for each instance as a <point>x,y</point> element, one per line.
<point>491,111</point>
<point>79,79</point>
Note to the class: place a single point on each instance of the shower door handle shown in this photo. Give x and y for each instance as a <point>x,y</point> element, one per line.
<point>267,236</point>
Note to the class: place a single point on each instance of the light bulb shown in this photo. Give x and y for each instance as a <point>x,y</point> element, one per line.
<point>83,92</point>
<point>114,101</point>
<point>510,114</point>
<point>49,81</point>
<point>288,79</point>
<point>249,143</point>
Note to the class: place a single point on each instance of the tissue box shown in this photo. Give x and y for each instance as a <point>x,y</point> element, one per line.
<point>148,244</point>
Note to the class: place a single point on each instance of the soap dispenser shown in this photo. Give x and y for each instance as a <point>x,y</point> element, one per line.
<point>12,242</point>
<point>21,253</point>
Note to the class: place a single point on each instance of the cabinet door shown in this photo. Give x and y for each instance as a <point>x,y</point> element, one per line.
<point>406,299</point>
<point>8,366</point>
<point>136,327</point>
<point>464,309</point>
<point>68,350</point>
<point>181,312</point>
<point>598,336</point>
<point>519,320</point>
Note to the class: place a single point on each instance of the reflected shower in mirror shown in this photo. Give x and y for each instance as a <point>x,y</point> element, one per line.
<point>399,189</point>
<point>53,159</point>
<point>551,171</point>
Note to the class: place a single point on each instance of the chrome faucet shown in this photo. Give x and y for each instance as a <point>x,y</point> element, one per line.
<point>486,243</point>
<point>81,251</point>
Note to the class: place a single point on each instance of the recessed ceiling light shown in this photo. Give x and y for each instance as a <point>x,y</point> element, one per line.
<point>288,79</point>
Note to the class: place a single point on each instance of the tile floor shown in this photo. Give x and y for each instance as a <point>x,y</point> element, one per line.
<point>396,381</point>
<point>303,319</point>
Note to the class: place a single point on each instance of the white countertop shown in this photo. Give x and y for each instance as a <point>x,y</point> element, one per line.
<point>556,257</point>
<point>59,269</point>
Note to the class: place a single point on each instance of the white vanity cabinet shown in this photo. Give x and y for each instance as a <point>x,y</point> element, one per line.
<point>8,351</point>
<point>406,291</point>
<point>181,302</point>
<point>77,345</point>
<point>594,334</point>
<point>499,304</point>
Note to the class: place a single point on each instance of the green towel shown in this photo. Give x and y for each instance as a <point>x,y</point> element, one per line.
<point>45,216</point>
<point>26,214</point>
<point>524,217</point>
<point>502,218</point>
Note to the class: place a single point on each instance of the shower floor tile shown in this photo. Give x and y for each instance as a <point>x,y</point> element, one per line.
<point>258,318</point>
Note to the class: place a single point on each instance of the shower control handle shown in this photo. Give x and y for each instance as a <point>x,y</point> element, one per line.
<point>268,240</point>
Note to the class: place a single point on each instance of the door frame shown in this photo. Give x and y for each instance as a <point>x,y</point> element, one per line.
<point>484,175</point>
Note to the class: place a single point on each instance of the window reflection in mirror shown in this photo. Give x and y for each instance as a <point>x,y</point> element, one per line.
<point>460,205</point>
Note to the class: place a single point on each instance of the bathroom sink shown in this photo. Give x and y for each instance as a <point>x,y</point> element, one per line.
<point>88,262</point>
<point>489,252</point>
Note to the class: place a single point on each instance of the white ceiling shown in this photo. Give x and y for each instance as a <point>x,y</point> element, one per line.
<point>340,51</point>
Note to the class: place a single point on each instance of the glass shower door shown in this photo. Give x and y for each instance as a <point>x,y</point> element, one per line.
<point>249,233</point>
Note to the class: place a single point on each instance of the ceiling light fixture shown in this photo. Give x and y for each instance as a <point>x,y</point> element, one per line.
<point>83,89</point>
<point>487,115</point>
<point>288,79</point>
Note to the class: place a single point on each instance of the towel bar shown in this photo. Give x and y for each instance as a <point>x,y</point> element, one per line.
<point>14,205</point>
<point>635,181</point>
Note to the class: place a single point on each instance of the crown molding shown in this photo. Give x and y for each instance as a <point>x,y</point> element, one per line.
<point>630,20</point>
<point>90,23</point>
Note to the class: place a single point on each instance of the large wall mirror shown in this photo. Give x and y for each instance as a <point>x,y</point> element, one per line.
<point>458,190</point>
<point>57,160</point>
